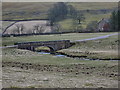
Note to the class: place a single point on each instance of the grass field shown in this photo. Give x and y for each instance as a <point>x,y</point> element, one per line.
<point>97,49</point>
<point>71,36</point>
<point>44,6</point>
<point>67,24</point>
<point>109,44</point>
<point>23,11</point>
<point>39,10</point>
<point>103,49</point>
<point>5,24</point>
<point>93,5</point>
<point>25,56</point>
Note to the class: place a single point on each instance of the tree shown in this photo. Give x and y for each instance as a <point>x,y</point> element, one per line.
<point>118,20</point>
<point>115,20</point>
<point>77,19</point>
<point>20,28</point>
<point>72,12</point>
<point>92,26</point>
<point>38,28</point>
<point>80,17</point>
<point>58,12</point>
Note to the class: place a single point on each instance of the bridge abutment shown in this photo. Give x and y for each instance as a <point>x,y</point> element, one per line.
<point>32,48</point>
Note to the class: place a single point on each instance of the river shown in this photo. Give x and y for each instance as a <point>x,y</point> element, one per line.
<point>60,55</point>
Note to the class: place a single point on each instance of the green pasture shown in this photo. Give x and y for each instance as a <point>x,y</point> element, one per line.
<point>38,10</point>
<point>93,5</point>
<point>70,36</point>
<point>23,11</point>
<point>68,24</point>
<point>5,24</point>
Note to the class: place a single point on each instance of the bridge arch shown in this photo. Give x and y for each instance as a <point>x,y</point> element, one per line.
<point>52,49</point>
<point>53,45</point>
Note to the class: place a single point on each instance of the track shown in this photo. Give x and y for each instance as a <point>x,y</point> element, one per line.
<point>12,46</point>
<point>101,37</point>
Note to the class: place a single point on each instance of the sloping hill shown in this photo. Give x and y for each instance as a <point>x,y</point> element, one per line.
<point>93,5</point>
<point>93,11</point>
<point>38,10</point>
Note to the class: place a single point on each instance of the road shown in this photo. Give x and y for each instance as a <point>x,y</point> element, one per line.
<point>95,38</point>
<point>12,46</point>
<point>101,37</point>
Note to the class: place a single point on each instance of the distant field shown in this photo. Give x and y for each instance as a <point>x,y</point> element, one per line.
<point>28,27</point>
<point>44,6</point>
<point>22,11</point>
<point>34,10</point>
<point>94,5</point>
<point>25,10</point>
<point>5,24</point>
<point>30,10</point>
<point>67,24</point>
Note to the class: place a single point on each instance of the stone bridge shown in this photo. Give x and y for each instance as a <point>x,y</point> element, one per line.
<point>53,45</point>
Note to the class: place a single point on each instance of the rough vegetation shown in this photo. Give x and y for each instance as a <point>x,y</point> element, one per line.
<point>87,64</point>
<point>30,10</point>
<point>96,49</point>
<point>30,69</point>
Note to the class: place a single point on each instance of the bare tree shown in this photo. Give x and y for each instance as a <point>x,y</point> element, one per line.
<point>57,28</point>
<point>38,28</point>
<point>20,28</point>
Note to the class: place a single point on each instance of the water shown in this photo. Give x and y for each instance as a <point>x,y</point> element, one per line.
<point>60,55</point>
<point>43,52</point>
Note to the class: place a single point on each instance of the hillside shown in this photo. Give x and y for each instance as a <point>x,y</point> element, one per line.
<point>93,11</point>
<point>30,10</point>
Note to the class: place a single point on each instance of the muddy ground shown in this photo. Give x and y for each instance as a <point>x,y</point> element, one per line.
<point>28,75</point>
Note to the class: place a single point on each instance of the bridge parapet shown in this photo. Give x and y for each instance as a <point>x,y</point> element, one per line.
<point>53,45</point>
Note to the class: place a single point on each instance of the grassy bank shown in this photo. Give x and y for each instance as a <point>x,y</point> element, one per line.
<point>25,56</point>
<point>97,49</point>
